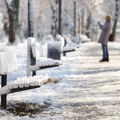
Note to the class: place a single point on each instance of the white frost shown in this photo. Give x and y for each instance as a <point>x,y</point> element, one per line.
<point>21,83</point>
<point>8,61</point>
<point>9,2</point>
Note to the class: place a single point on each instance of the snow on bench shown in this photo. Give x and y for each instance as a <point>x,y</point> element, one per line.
<point>45,63</point>
<point>68,49</point>
<point>7,64</point>
<point>25,83</point>
<point>22,84</point>
<point>36,50</point>
<point>54,50</point>
<point>84,38</point>
<point>65,46</point>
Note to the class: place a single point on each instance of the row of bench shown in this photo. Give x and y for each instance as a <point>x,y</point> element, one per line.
<point>35,62</point>
<point>53,55</point>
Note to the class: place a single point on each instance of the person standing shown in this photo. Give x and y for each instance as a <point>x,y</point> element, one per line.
<point>104,38</point>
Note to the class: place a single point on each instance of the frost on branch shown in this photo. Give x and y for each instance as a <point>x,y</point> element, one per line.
<point>9,2</point>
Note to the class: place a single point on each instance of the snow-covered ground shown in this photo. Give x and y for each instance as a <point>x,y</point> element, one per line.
<point>87,90</point>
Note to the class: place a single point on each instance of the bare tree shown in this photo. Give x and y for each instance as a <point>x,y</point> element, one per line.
<point>54,18</point>
<point>31,60</point>
<point>12,10</point>
<point>30,19</point>
<point>115,18</point>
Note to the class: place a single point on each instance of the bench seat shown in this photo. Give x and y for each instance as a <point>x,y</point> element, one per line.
<point>25,83</point>
<point>43,63</point>
<point>68,49</point>
<point>41,56</point>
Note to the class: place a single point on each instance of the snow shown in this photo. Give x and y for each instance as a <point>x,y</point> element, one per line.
<point>31,40</point>
<point>44,49</point>
<point>98,2</point>
<point>55,45</point>
<point>69,45</point>
<point>48,38</point>
<point>45,62</point>
<point>23,83</point>
<point>88,90</point>
<point>49,61</point>
<point>84,38</point>
<point>61,39</point>
<point>36,49</point>
<point>8,61</point>
<point>40,52</point>
<point>1,24</point>
<point>9,2</point>
<point>68,48</point>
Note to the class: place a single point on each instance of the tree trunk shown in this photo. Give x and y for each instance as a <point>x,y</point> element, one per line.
<point>82,22</point>
<point>30,59</point>
<point>30,19</point>
<point>79,25</point>
<point>88,26</point>
<point>16,12</point>
<point>115,19</point>
<point>74,18</point>
<point>11,27</point>
<point>54,19</point>
<point>13,10</point>
<point>60,17</point>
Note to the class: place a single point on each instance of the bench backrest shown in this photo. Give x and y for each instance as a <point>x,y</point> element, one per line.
<point>35,49</point>
<point>31,60</point>
<point>54,50</point>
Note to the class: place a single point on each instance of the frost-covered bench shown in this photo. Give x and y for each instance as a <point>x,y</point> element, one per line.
<point>36,59</point>
<point>84,38</point>
<point>65,47</point>
<point>8,64</point>
<point>22,84</point>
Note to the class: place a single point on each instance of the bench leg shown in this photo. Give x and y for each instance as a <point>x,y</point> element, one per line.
<point>3,97</point>
<point>33,73</point>
<point>64,53</point>
<point>33,62</point>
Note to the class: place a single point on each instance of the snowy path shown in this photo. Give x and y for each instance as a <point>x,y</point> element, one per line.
<point>88,90</point>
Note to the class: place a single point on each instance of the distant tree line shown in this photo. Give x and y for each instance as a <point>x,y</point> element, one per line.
<point>83,18</point>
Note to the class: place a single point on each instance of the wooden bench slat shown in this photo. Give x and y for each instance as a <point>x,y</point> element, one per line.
<point>23,89</point>
<point>24,86</point>
<point>68,50</point>
<point>37,67</point>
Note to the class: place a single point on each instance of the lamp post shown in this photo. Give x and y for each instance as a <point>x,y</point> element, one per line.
<point>30,59</point>
<point>74,3</point>
<point>30,19</point>
<point>59,16</point>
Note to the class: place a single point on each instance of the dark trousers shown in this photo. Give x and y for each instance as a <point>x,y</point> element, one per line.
<point>105,52</point>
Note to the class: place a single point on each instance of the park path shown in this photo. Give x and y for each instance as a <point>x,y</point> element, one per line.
<point>90,90</point>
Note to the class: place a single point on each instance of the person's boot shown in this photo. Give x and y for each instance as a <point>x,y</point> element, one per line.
<point>107,60</point>
<point>104,60</point>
